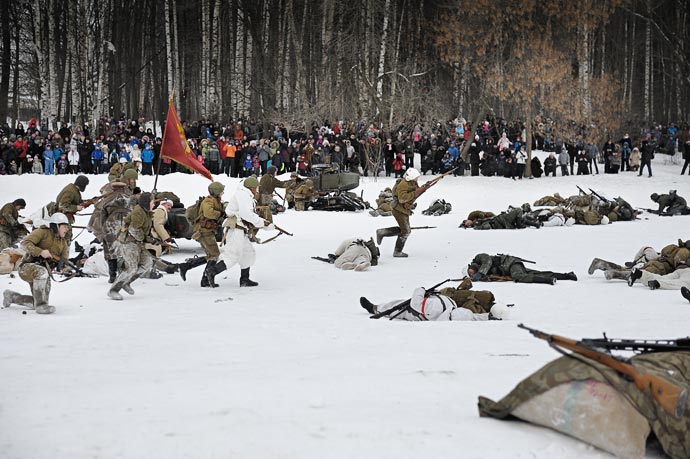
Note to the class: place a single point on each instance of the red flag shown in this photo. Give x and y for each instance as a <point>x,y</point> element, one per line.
<point>175,146</point>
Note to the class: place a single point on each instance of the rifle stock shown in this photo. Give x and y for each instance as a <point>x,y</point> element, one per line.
<point>669,396</point>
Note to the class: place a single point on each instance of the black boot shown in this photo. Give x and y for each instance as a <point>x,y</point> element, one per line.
<point>544,280</point>
<point>368,305</point>
<point>244,279</point>
<point>653,284</point>
<point>209,275</point>
<point>112,270</point>
<point>635,274</point>
<point>188,264</point>
<point>685,292</point>
<point>565,276</point>
<point>399,245</point>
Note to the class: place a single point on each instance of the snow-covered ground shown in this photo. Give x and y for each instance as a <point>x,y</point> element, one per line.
<point>295,368</point>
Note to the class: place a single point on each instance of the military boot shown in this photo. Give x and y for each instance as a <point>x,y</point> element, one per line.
<point>112,270</point>
<point>9,297</point>
<point>565,276</point>
<point>245,281</point>
<point>368,305</point>
<point>622,274</point>
<point>208,278</point>
<point>386,232</point>
<point>188,264</point>
<point>544,280</point>
<point>635,274</point>
<point>604,265</point>
<point>399,246</point>
<point>45,309</point>
<point>653,285</point>
<point>685,292</point>
<point>114,292</point>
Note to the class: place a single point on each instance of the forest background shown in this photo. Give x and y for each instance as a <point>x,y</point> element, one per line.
<point>605,65</point>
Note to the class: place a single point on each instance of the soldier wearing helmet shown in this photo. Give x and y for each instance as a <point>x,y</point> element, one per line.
<point>405,193</point>
<point>242,224</point>
<point>210,216</point>
<point>45,247</point>
<point>118,169</point>
<point>304,195</point>
<point>10,228</point>
<point>132,247</point>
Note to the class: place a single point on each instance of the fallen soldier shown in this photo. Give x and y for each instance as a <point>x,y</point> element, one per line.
<point>356,254</point>
<point>483,266</point>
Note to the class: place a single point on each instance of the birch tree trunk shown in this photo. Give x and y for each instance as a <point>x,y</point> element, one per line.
<point>205,51</point>
<point>584,68</point>
<point>626,58</point>
<point>178,81</point>
<point>6,61</point>
<point>632,65</point>
<point>168,47</point>
<point>648,64</point>
<point>214,64</point>
<point>382,52</point>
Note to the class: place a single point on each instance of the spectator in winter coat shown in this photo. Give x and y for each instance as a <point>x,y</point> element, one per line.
<point>521,160</point>
<point>608,150</point>
<point>37,167</point>
<point>62,165</point>
<point>563,159</point>
<point>147,160</point>
<point>686,156</point>
<point>635,159</point>
<point>73,159</point>
<point>582,163</point>
<point>626,150</point>
<point>592,154</point>
<point>647,157</point>
<point>550,165</point>
<point>503,143</point>
<point>49,158</point>
<point>97,159</point>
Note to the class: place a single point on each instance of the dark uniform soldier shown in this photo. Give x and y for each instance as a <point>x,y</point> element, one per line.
<point>130,247</point>
<point>44,246</point>
<point>511,219</point>
<point>670,204</point>
<point>211,216</point>
<point>483,266</point>
<point>405,192</point>
<point>10,229</point>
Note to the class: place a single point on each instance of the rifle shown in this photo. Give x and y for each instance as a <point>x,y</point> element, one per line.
<point>330,260</point>
<point>639,346</point>
<point>88,202</point>
<point>422,227</point>
<point>401,306</point>
<point>499,278</point>
<point>581,190</point>
<point>668,395</point>
<point>517,258</point>
<point>433,182</point>
<point>601,198</point>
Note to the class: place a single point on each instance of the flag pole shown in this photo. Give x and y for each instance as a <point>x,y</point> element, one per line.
<point>160,153</point>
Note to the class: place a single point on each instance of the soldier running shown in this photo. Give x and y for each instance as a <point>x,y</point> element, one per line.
<point>10,228</point>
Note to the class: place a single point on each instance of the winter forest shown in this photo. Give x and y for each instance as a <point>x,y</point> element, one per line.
<point>596,63</point>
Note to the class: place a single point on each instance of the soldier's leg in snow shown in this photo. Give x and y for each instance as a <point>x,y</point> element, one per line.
<point>39,279</point>
<point>128,252</point>
<point>623,274</point>
<point>672,281</point>
<point>246,260</point>
<point>603,265</point>
<point>520,274</point>
<point>404,225</point>
<point>11,297</point>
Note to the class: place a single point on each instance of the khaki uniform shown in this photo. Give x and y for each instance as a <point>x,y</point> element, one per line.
<point>267,185</point>
<point>304,195</point>
<point>118,170</point>
<point>131,250</point>
<point>68,200</point>
<point>159,232</point>
<point>290,188</point>
<point>211,213</point>
<point>550,201</point>
<point>109,217</point>
<point>32,270</point>
<point>479,215</point>
<point>10,229</point>
<point>404,195</point>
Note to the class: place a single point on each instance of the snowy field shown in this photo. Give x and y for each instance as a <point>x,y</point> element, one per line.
<point>295,368</point>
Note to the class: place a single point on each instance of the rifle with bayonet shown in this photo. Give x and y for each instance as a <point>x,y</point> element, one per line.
<point>422,189</point>
<point>668,395</point>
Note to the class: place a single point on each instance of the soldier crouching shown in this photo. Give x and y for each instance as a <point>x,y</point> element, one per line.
<point>43,246</point>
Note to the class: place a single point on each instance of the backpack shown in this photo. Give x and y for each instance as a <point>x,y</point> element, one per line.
<point>192,212</point>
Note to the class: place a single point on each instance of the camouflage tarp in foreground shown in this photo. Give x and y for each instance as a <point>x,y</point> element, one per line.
<point>673,434</point>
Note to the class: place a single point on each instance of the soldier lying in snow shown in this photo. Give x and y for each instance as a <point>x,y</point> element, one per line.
<point>508,267</point>
<point>671,258</point>
<point>513,218</point>
<point>459,303</point>
<point>356,254</point>
<point>438,207</point>
<point>384,204</point>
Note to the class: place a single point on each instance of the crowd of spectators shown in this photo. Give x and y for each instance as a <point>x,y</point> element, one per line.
<point>242,148</point>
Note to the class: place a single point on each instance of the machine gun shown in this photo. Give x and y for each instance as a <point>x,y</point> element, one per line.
<point>668,395</point>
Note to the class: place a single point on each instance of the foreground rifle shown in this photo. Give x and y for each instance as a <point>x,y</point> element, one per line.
<point>669,396</point>
<point>399,308</point>
<point>581,190</point>
<point>639,346</point>
<point>422,227</point>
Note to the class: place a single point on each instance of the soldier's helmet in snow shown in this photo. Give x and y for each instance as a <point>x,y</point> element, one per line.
<point>131,174</point>
<point>58,218</point>
<point>251,182</point>
<point>411,174</point>
<point>216,188</point>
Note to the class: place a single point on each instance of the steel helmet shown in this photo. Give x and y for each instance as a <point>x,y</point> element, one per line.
<point>216,188</point>
<point>131,174</point>
<point>411,174</point>
<point>251,182</point>
<point>58,218</point>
